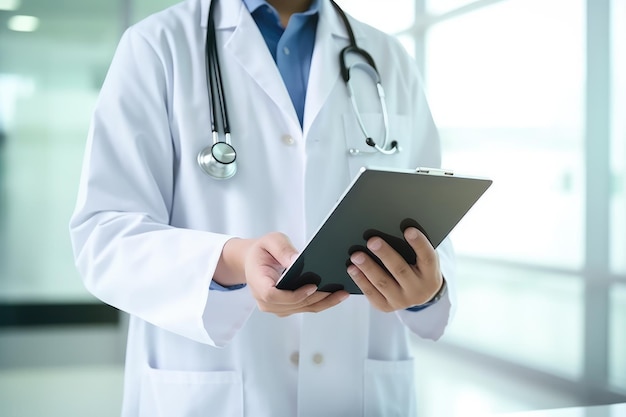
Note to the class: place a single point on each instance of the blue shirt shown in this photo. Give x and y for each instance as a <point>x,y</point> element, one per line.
<point>291,47</point>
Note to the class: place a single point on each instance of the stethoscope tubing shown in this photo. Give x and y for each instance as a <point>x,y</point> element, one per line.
<point>215,77</point>
<point>383,105</point>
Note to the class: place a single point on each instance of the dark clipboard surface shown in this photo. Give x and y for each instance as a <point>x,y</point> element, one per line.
<point>382,199</point>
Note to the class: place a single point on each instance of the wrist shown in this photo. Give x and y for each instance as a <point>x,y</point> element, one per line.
<point>443,290</point>
<point>230,270</point>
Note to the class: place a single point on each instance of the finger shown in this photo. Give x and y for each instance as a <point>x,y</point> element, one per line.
<point>367,288</point>
<point>427,258</point>
<point>320,301</point>
<point>280,247</point>
<point>379,278</point>
<point>313,303</point>
<point>395,263</point>
<point>329,300</point>
<point>286,298</point>
<point>427,261</point>
<point>268,258</point>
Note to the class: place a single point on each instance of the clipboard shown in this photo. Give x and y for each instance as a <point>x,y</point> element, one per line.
<point>382,202</point>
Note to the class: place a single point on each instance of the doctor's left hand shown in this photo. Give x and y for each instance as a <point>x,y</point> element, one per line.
<point>262,261</point>
<point>404,285</point>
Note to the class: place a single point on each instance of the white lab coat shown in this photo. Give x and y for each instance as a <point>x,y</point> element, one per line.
<point>149,225</point>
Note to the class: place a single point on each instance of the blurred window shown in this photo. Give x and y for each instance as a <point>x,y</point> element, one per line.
<point>443,6</point>
<point>506,87</point>
<point>49,80</point>
<point>617,312</point>
<point>520,315</point>
<point>144,8</point>
<point>618,133</point>
<point>391,16</point>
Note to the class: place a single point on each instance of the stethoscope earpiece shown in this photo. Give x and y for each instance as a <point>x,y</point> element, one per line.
<point>393,147</point>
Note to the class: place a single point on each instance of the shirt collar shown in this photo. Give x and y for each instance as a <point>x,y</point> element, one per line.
<point>253,5</point>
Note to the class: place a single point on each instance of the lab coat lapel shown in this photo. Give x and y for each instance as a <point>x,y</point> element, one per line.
<point>324,75</point>
<point>247,47</point>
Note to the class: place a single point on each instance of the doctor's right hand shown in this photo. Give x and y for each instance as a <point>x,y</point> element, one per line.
<point>263,261</point>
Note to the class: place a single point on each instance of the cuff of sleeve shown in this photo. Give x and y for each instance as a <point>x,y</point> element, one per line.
<point>217,287</point>
<point>225,313</point>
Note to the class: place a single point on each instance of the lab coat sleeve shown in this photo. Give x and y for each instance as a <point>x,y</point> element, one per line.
<point>126,251</point>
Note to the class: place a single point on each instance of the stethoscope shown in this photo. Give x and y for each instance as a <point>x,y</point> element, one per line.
<point>219,159</point>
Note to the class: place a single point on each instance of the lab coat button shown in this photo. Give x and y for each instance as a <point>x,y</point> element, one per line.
<point>318,358</point>
<point>288,140</point>
<point>295,358</point>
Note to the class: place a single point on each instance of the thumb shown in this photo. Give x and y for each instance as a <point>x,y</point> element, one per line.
<point>280,247</point>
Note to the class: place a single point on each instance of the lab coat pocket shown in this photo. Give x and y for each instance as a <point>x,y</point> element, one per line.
<point>360,154</point>
<point>389,388</point>
<point>167,393</point>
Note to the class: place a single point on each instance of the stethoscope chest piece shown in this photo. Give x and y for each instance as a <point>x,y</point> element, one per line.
<point>218,160</point>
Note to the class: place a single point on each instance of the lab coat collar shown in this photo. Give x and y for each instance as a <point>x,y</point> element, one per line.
<point>244,43</point>
<point>335,23</point>
<point>331,38</point>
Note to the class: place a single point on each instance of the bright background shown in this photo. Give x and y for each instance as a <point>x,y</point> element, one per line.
<point>531,93</point>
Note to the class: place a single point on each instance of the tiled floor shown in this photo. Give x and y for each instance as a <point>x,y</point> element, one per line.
<point>449,387</point>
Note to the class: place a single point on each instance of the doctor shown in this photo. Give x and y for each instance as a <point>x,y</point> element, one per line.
<point>193,259</point>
